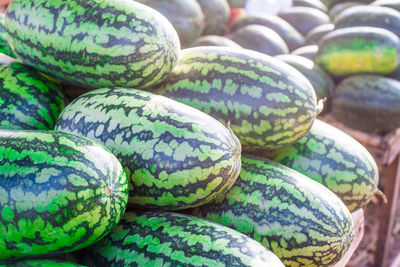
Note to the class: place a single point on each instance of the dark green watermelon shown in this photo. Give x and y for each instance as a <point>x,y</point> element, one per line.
<point>173,239</point>
<point>308,51</point>
<point>314,36</point>
<point>216,15</point>
<point>395,4</point>
<point>214,40</point>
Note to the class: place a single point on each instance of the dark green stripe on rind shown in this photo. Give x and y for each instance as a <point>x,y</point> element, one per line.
<point>4,45</point>
<point>172,239</point>
<point>369,103</point>
<point>334,159</point>
<point>58,193</point>
<point>175,156</point>
<point>93,43</point>
<point>28,101</point>
<point>269,103</point>
<point>41,263</point>
<point>301,221</point>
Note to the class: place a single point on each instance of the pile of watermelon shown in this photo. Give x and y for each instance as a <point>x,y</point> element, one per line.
<point>134,134</point>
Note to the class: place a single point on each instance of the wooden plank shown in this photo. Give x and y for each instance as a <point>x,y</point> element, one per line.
<point>358,219</point>
<point>391,183</point>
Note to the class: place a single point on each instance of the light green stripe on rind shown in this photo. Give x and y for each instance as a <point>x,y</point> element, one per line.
<point>268,103</point>
<point>58,193</point>
<point>173,239</point>
<point>41,263</point>
<point>93,43</point>
<point>334,159</point>
<point>175,156</point>
<point>301,221</point>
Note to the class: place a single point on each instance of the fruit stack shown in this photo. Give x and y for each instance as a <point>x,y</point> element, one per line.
<point>127,141</point>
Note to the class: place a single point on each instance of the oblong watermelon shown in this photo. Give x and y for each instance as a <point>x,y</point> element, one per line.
<point>59,193</point>
<point>269,104</point>
<point>300,220</point>
<point>41,263</point>
<point>93,43</point>
<point>334,159</point>
<point>28,101</point>
<point>175,156</point>
<point>358,50</point>
<point>173,239</point>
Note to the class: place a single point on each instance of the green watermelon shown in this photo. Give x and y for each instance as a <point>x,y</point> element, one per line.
<point>314,36</point>
<point>308,51</point>
<point>41,263</point>
<point>4,45</point>
<point>269,104</point>
<point>59,193</point>
<point>214,40</point>
<point>175,157</point>
<point>216,16</point>
<point>173,239</point>
<point>28,101</point>
<point>93,43</point>
<point>334,159</point>
<point>298,219</point>
<point>395,4</point>
<point>317,4</point>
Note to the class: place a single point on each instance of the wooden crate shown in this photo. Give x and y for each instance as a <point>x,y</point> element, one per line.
<point>386,152</point>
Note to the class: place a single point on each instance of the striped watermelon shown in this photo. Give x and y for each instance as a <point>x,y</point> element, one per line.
<point>301,221</point>
<point>41,263</point>
<point>175,156</point>
<point>269,103</point>
<point>173,239</point>
<point>93,43</point>
<point>4,45</point>
<point>28,101</point>
<point>58,193</point>
<point>334,159</point>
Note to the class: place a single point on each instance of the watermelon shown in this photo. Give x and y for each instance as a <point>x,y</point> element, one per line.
<point>314,36</point>
<point>358,50</point>
<point>369,103</point>
<point>59,193</point>
<point>298,219</point>
<point>287,32</point>
<point>41,263</point>
<point>216,15</point>
<point>371,16</point>
<point>334,159</point>
<point>339,7</point>
<point>395,4</point>
<point>269,104</point>
<point>4,45</point>
<point>317,4</point>
<point>175,157</point>
<point>28,101</point>
<point>189,22</point>
<point>308,51</point>
<point>93,43</point>
<point>173,239</point>
<point>260,38</point>
<point>304,19</point>
<point>214,40</point>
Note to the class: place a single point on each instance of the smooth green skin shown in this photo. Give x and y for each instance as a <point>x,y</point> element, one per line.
<point>214,40</point>
<point>216,16</point>
<point>371,16</point>
<point>320,80</point>
<point>269,104</point>
<point>4,46</point>
<point>287,32</point>
<point>260,38</point>
<point>173,239</point>
<point>93,43</point>
<point>41,263</point>
<point>28,101</point>
<point>186,16</point>
<point>304,19</point>
<point>369,103</point>
<point>298,219</point>
<point>58,193</point>
<point>175,156</point>
<point>334,159</point>
<point>359,50</point>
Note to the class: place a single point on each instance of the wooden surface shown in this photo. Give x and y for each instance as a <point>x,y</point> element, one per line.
<point>358,219</point>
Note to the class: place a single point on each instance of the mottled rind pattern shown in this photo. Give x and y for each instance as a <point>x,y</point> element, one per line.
<point>58,193</point>
<point>173,239</point>
<point>175,156</point>
<point>301,221</point>
<point>268,103</point>
<point>334,159</point>
<point>93,43</point>
<point>358,50</point>
<point>369,103</point>
<point>4,45</point>
<point>28,101</point>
